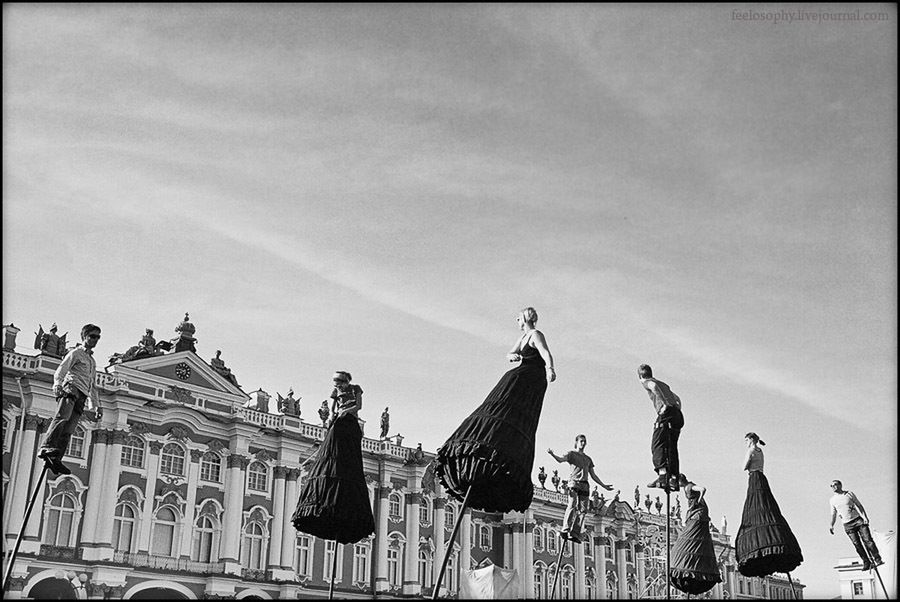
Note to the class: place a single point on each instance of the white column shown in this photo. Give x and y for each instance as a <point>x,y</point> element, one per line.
<point>278,511</point>
<point>234,495</point>
<point>381,574</point>
<point>149,495</point>
<point>411,584</point>
<point>622,568</point>
<point>288,532</point>
<point>600,556</point>
<point>111,468</point>
<point>19,489</point>
<point>465,543</point>
<point>193,480</point>
<point>641,572</point>
<point>507,546</point>
<point>93,505</point>
<point>578,577</point>
<point>528,551</point>
<point>440,515</point>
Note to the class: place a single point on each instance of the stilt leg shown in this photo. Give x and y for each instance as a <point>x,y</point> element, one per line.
<point>886,597</point>
<point>440,578</point>
<point>791,581</point>
<point>668,542</point>
<point>333,571</point>
<point>562,546</point>
<point>15,552</point>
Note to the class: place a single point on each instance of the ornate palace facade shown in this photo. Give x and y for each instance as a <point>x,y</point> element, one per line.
<point>186,486</point>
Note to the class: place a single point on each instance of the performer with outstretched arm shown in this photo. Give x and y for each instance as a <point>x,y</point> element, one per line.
<point>76,391</point>
<point>694,567</point>
<point>579,488</point>
<point>334,502</point>
<point>765,543</point>
<point>666,429</point>
<point>487,461</point>
<point>856,524</point>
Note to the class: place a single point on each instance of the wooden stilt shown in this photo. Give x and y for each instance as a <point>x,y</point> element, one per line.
<point>886,597</point>
<point>449,550</point>
<point>15,552</point>
<point>668,539</point>
<point>791,582</point>
<point>333,571</point>
<point>562,547</point>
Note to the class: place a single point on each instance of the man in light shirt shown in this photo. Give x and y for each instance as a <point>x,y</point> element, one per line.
<point>666,429</point>
<point>856,524</point>
<point>579,488</point>
<point>76,391</point>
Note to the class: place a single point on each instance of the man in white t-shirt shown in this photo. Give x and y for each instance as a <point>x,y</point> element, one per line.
<point>579,488</point>
<point>856,524</point>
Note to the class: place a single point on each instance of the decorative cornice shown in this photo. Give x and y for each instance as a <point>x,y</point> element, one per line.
<point>216,445</point>
<point>100,437</point>
<point>264,455</point>
<point>179,433</point>
<point>440,503</point>
<point>414,497</point>
<point>280,472</point>
<point>155,447</point>
<point>32,422</point>
<point>238,461</point>
<point>293,474</point>
<point>117,436</point>
<point>196,454</point>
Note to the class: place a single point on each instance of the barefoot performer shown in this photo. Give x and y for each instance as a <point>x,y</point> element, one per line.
<point>487,461</point>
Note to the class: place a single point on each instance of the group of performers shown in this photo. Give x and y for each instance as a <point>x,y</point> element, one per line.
<point>487,464</point>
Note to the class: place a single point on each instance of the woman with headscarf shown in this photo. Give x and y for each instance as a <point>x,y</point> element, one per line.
<point>765,543</point>
<point>334,502</point>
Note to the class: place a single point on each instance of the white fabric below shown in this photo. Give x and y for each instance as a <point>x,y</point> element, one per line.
<point>490,583</point>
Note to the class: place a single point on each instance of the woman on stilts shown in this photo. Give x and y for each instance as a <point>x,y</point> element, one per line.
<point>334,502</point>
<point>487,462</point>
<point>765,543</point>
<point>694,568</point>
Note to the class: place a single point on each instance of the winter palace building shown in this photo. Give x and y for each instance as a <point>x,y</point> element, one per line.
<point>185,489</point>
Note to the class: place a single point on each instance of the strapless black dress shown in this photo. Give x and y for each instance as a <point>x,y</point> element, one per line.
<point>493,449</point>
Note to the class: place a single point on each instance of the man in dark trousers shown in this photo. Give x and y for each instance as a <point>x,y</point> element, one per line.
<point>856,524</point>
<point>76,391</point>
<point>666,430</point>
<point>579,488</point>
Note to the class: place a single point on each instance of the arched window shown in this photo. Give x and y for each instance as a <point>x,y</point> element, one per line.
<point>540,580</point>
<point>205,546</point>
<point>172,460</point>
<point>257,477</point>
<point>253,552</point>
<point>330,551</point>
<point>303,557</point>
<point>589,591</point>
<point>133,452</point>
<point>76,443</point>
<point>164,532</point>
<point>566,581</point>
<point>485,538</point>
<point>449,516</point>
<point>538,539</point>
<point>425,512</point>
<point>551,541</point>
<point>395,506</point>
<point>60,520</point>
<point>123,527</point>
<point>425,568</point>
<point>211,467</point>
<point>394,554</point>
<point>361,562</point>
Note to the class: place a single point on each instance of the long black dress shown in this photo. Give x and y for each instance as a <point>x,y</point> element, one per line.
<point>493,449</point>
<point>334,502</point>
<point>694,568</point>
<point>765,543</point>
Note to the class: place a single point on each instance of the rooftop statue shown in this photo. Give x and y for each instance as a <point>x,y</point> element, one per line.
<point>289,405</point>
<point>219,366</point>
<point>49,343</point>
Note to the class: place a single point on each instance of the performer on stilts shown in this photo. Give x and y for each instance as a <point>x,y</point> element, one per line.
<point>579,488</point>
<point>334,501</point>
<point>694,568</point>
<point>76,392</point>
<point>856,524</point>
<point>765,543</point>
<point>666,430</point>
<point>487,462</point>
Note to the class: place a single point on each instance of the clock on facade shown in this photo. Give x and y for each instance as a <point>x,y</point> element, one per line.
<point>183,371</point>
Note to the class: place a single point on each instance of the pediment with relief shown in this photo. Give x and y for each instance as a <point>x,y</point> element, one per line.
<point>184,369</point>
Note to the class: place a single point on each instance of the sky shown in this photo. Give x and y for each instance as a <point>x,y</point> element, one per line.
<point>381,188</point>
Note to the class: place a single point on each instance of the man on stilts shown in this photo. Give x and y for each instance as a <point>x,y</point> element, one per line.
<point>666,430</point>
<point>856,526</point>
<point>579,488</point>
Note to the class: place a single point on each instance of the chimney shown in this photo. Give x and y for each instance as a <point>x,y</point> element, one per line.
<point>9,337</point>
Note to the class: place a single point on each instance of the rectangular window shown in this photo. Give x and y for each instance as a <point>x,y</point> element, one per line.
<point>857,588</point>
<point>393,561</point>
<point>360,563</point>
<point>303,555</point>
<point>329,560</point>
